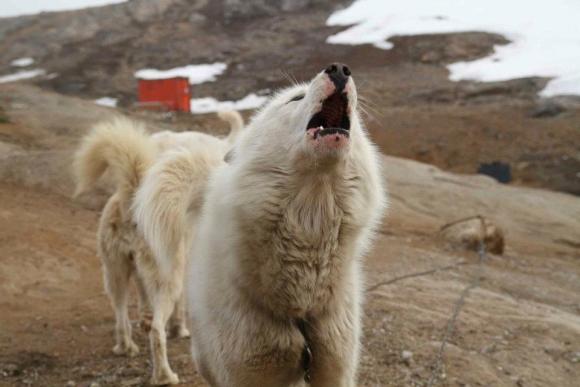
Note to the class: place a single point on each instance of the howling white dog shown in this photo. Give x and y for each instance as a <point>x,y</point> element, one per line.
<point>274,284</point>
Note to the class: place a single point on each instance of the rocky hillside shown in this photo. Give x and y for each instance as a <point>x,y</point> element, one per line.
<point>96,51</point>
<point>413,110</point>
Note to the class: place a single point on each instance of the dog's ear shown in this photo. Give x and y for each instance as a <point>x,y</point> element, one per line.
<point>229,156</point>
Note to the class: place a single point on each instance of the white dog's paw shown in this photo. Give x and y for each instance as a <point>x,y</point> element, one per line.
<point>131,349</point>
<point>167,377</point>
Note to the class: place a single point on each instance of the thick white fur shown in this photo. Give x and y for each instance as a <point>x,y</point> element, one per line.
<point>132,155</point>
<point>283,231</point>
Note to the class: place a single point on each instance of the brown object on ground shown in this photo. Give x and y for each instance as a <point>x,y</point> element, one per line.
<point>473,233</point>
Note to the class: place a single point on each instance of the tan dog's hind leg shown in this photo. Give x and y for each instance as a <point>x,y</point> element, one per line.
<point>162,308</point>
<point>144,306</point>
<point>117,280</point>
<point>178,321</point>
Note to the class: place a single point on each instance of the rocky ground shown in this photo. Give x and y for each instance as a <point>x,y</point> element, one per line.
<point>519,324</point>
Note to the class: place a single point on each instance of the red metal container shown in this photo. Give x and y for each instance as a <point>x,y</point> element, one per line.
<point>172,94</point>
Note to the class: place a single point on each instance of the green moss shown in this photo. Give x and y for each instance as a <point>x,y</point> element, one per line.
<point>3,117</point>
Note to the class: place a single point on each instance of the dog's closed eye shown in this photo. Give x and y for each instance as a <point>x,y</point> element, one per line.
<point>297,98</point>
<point>229,156</point>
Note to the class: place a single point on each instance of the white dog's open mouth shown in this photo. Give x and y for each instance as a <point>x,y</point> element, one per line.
<point>331,125</point>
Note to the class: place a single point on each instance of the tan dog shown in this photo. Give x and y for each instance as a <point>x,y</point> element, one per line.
<point>275,284</point>
<point>130,153</point>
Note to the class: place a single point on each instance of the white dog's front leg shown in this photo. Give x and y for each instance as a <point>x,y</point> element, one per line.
<point>335,342</point>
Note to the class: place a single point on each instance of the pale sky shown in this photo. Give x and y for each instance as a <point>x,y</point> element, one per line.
<point>27,7</point>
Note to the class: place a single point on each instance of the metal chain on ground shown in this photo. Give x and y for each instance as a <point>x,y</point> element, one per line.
<point>436,269</point>
<point>482,253</point>
<point>412,275</point>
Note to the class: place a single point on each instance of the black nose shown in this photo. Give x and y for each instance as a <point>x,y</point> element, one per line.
<point>338,74</point>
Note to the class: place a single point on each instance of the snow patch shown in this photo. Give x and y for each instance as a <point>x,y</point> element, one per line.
<point>107,101</point>
<point>21,75</point>
<point>569,85</point>
<point>22,62</point>
<point>195,73</point>
<point>209,104</point>
<point>544,36</point>
<point>10,8</point>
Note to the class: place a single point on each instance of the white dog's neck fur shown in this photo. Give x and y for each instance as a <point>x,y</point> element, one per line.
<point>304,218</point>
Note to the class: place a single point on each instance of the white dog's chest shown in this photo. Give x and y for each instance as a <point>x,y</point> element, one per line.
<point>301,264</point>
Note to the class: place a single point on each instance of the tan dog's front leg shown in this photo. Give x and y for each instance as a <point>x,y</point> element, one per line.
<point>162,373</point>
<point>178,320</point>
<point>145,316</point>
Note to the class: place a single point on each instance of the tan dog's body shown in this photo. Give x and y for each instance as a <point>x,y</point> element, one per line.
<point>284,227</point>
<point>136,158</point>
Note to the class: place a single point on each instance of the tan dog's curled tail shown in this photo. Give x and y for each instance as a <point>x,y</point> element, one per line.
<point>171,190</point>
<point>121,145</point>
<point>236,122</point>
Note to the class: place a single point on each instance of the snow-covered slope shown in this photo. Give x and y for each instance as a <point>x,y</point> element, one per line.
<point>196,74</point>
<point>544,35</point>
<point>10,8</point>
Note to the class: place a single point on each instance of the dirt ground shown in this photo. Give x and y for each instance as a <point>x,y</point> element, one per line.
<point>518,326</point>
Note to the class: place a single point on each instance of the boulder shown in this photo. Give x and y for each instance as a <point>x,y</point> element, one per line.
<point>471,232</point>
